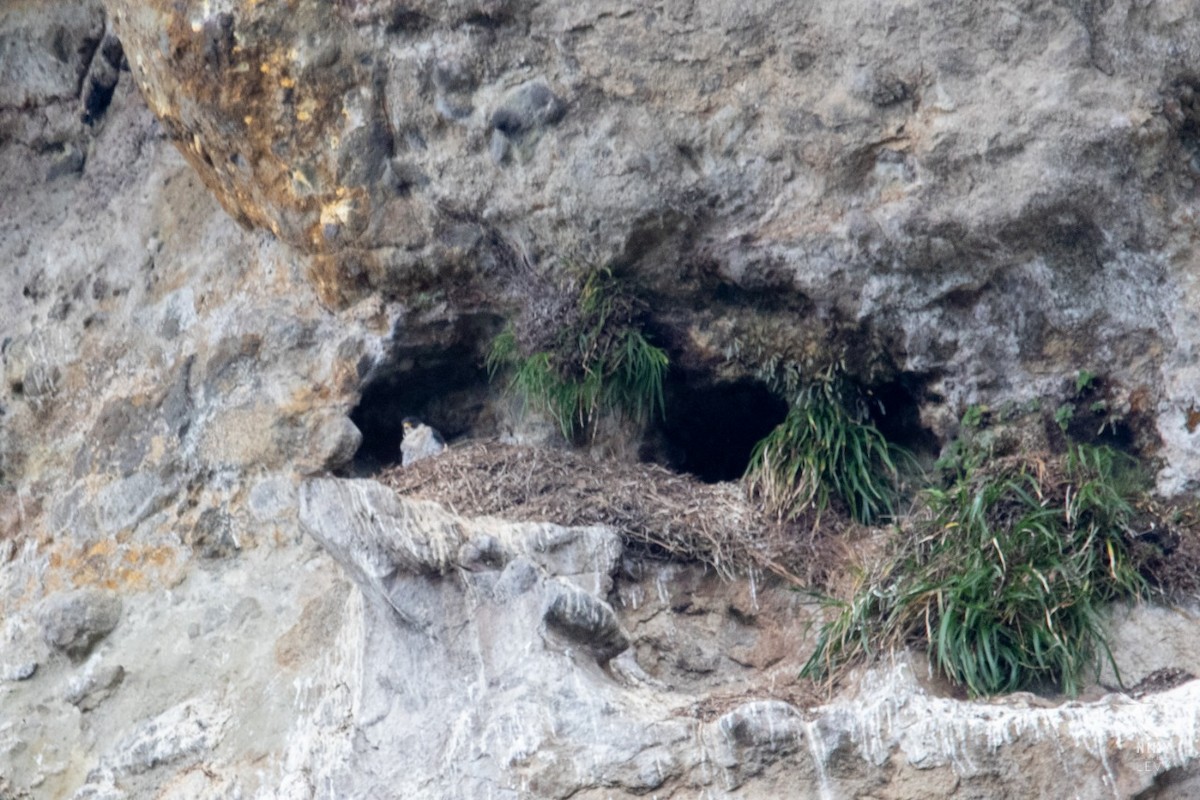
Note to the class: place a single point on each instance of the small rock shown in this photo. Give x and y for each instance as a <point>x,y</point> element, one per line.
<point>882,88</point>
<point>190,729</point>
<point>498,148</point>
<point>18,672</point>
<point>625,668</point>
<point>763,723</point>
<point>73,623</point>
<point>90,691</point>
<point>694,658</point>
<point>213,535</point>
<point>69,162</point>
<point>336,440</point>
<point>889,90</point>
<point>529,106</point>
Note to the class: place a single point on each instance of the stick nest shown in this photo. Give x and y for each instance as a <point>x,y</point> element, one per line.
<point>658,512</point>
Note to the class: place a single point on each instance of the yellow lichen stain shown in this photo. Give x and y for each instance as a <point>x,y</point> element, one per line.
<point>287,83</point>
<point>303,399</point>
<point>109,565</point>
<point>264,68</point>
<point>337,212</point>
<point>102,548</point>
<point>249,120</point>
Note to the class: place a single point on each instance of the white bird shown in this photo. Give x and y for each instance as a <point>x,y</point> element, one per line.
<point>420,441</point>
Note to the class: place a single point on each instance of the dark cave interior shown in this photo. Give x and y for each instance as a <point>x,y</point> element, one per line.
<point>709,430</point>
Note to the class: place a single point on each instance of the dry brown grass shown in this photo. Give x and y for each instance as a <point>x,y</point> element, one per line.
<point>657,511</point>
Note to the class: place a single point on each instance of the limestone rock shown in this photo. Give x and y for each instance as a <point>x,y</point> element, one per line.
<point>585,620</point>
<point>230,230</point>
<point>89,691</point>
<point>757,735</point>
<point>976,257</point>
<point>73,623</point>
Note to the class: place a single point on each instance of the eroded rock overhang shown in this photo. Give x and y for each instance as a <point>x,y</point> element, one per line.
<point>981,199</point>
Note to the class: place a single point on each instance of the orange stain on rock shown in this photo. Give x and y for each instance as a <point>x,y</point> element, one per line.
<point>110,565</point>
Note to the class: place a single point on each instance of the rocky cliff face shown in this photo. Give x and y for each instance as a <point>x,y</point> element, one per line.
<point>228,229</point>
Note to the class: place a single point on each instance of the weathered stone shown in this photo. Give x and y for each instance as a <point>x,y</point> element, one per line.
<point>190,728</point>
<point>584,619</point>
<point>213,535</point>
<point>18,672</point>
<point>90,690</point>
<point>770,724</point>
<point>101,79</point>
<point>70,162</point>
<point>335,441</point>
<point>75,622</point>
<point>530,106</point>
<point>813,179</point>
<point>839,191</point>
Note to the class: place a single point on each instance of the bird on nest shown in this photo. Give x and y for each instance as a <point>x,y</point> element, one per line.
<point>420,441</point>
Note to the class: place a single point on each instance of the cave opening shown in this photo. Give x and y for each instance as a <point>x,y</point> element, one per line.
<point>711,427</point>
<point>443,384</point>
<point>896,413</point>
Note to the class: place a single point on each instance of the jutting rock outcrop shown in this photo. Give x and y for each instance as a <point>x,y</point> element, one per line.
<point>227,225</point>
<point>980,199</point>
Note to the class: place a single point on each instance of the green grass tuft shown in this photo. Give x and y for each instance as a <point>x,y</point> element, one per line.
<point>1007,578</point>
<point>601,365</point>
<point>821,451</point>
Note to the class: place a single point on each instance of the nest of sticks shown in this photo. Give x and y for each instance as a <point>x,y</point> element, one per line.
<point>658,512</point>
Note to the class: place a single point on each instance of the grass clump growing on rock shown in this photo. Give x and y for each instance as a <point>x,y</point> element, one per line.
<point>823,450</point>
<point>600,362</point>
<point>1004,575</point>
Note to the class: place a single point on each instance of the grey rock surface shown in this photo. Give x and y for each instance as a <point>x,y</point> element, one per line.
<point>74,622</point>
<point>219,238</point>
<point>90,690</point>
<point>976,201</point>
<point>514,667</point>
